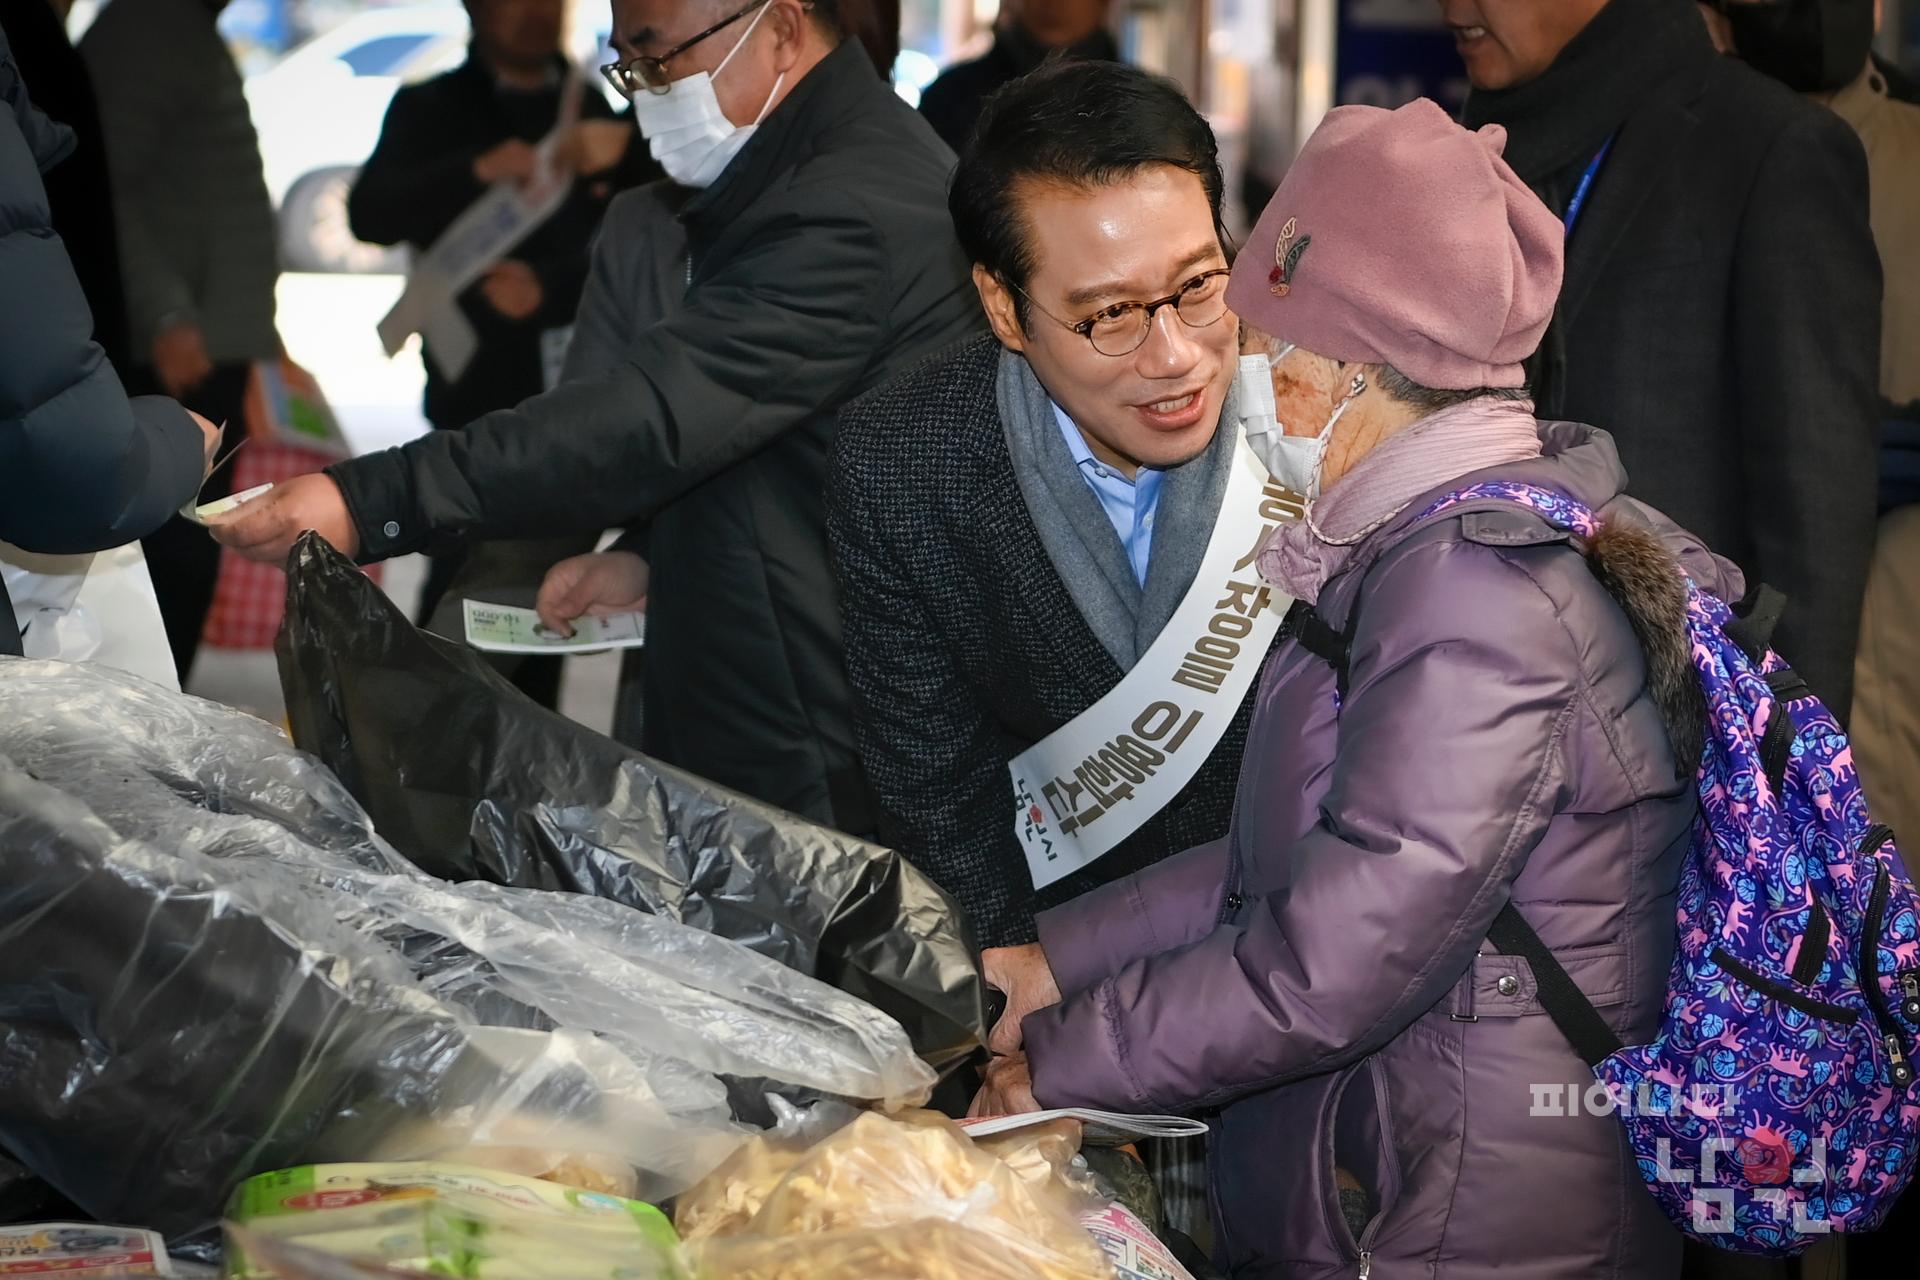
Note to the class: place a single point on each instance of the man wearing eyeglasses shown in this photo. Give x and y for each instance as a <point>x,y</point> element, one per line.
<point>820,264</point>
<point>1015,525</point>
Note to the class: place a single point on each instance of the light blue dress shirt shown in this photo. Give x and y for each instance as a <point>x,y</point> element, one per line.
<point>1129,504</point>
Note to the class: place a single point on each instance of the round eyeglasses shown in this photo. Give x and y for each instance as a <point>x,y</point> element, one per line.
<point>635,74</point>
<point>1122,329</point>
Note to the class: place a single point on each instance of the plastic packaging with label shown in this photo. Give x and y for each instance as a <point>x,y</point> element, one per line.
<point>82,1249</point>
<point>446,1220</point>
<point>905,1198</point>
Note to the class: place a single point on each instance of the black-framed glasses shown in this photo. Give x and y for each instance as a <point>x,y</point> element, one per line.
<point>1122,329</point>
<point>650,74</point>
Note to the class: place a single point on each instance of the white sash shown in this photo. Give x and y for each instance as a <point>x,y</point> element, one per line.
<point>1095,780</point>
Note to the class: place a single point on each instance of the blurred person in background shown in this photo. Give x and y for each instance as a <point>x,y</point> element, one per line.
<point>1822,49</point>
<point>82,468</point>
<point>1721,313</point>
<point>1027,34</point>
<point>444,143</point>
<point>78,188</point>
<point>876,25</point>
<point>198,247</point>
<point>820,264</point>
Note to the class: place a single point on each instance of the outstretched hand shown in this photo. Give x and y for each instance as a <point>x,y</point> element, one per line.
<point>266,528</point>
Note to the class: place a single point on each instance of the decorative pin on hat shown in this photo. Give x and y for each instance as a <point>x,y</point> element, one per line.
<point>1286,258</point>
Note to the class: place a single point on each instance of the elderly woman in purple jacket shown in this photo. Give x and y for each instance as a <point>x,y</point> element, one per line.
<point>1515,726</point>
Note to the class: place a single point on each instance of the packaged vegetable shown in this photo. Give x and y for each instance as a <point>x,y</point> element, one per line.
<point>908,1196</point>
<point>446,1220</point>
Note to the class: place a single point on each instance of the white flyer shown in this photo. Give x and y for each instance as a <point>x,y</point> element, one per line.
<point>208,512</point>
<point>1099,1128</point>
<point>501,628</point>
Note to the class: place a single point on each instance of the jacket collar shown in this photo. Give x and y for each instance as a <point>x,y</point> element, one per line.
<point>842,86</point>
<point>1579,461</point>
<point>478,76</point>
<point>1861,99</point>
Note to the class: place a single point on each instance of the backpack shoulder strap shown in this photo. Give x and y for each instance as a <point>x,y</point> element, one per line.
<point>1754,620</point>
<point>1321,639</point>
<point>1564,1002</point>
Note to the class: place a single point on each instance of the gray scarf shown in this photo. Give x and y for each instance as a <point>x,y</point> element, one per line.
<point>1078,537</point>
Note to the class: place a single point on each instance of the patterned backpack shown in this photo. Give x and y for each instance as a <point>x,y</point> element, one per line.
<point>1774,1106</point>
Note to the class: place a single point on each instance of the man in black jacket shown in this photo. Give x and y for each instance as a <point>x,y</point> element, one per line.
<point>1722,303</point>
<point>1030,31</point>
<point>821,263</point>
<point>443,143</point>
<point>1015,523</point>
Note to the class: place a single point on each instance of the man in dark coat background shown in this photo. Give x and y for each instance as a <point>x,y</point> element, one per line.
<point>1722,304</point>
<point>1028,33</point>
<point>821,263</point>
<point>443,143</point>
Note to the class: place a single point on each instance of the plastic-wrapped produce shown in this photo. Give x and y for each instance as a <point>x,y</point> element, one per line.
<point>210,967</point>
<point>473,781</point>
<point>906,1198</point>
<point>444,1220</point>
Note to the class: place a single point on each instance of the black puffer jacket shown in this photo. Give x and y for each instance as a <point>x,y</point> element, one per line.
<point>82,468</point>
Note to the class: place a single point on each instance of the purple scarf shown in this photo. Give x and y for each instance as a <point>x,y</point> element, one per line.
<point>1300,557</point>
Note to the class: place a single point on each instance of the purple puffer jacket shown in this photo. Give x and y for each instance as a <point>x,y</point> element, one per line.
<point>1322,973</point>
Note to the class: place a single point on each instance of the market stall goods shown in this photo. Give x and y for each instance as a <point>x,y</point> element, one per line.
<point>905,1196</point>
<point>445,1220</point>
<point>471,780</point>
<point>211,967</point>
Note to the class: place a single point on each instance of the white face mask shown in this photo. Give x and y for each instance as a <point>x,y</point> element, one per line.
<point>1293,461</point>
<point>685,128</point>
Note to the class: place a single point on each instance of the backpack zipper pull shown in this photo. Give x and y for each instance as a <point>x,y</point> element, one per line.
<point>1910,986</point>
<point>1366,1264</point>
<point>1900,1070</point>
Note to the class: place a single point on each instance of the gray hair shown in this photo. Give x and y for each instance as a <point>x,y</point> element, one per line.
<point>1431,400</point>
<point>1428,400</point>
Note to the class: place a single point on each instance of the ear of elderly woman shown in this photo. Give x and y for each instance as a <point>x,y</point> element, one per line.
<point>1317,976</point>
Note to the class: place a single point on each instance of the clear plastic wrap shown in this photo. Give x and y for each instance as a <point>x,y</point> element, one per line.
<point>473,781</point>
<point>211,966</point>
<point>907,1196</point>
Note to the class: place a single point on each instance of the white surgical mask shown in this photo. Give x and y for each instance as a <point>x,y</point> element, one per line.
<point>1293,461</point>
<point>685,128</point>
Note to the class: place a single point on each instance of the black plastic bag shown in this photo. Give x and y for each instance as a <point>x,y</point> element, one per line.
<point>471,780</point>
<point>211,966</point>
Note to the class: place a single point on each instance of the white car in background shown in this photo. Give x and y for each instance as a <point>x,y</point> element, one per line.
<point>318,113</point>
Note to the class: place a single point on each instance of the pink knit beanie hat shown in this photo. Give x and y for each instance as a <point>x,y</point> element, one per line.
<point>1402,238</point>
